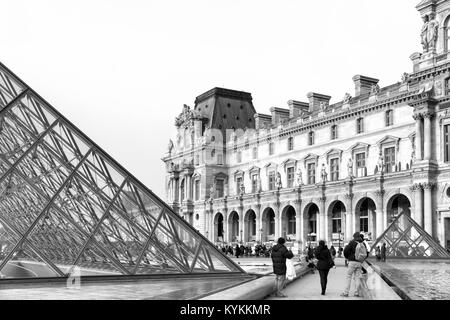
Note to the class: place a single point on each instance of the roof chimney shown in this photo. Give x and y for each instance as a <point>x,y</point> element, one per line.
<point>363,84</point>
<point>296,108</point>
<point>315,99</point>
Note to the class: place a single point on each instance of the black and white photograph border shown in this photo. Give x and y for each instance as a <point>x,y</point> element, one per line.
<point>113,186</point>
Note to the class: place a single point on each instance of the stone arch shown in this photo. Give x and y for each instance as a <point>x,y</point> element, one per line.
<point>336,215</point>
<point>233,227</point>
<point>250,226</point>
<point>268,224</point>
<point>365,217</point>
<point>288,226</point>
<point>219,229</point>
<point>396,204</point>
<point>390,195</point>
<point>311,222</point>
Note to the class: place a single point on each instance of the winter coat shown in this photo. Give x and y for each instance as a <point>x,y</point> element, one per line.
<point>323,255</point>
<point>279,255</point>
<point>349,250</point>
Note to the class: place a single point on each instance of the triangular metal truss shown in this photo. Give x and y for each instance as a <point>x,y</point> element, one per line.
<point>404,238</point>
<point>65,203</point>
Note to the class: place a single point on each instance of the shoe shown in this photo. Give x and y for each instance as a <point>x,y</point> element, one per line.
<point>323,293</point>
<point>344,294</point>
<point>357,295</point>
<point>282,295</point>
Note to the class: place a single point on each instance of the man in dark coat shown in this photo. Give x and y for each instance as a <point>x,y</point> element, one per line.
<point>354,266</point>
<point>279,255</point>
<point>383,252</point>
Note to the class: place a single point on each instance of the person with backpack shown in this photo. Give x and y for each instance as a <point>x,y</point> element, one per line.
<point>355,252</point>
<point>279,255</point>
<point>324,264</point>
<point>333,252</point>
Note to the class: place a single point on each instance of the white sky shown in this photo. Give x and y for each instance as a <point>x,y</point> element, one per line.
<point>122,70</point>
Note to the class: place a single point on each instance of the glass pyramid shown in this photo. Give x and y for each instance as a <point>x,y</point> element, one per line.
<point>65,203</point>
<point>404,238</point>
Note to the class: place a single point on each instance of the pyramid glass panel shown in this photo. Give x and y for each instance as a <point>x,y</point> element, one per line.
<point>66,204</point>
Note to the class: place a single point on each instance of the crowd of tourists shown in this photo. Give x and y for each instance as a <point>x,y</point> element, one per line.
<point>241,250</point>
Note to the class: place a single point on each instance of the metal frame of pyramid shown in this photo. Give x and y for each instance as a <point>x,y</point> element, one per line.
<point>405,238</point>
<point>65,203</point>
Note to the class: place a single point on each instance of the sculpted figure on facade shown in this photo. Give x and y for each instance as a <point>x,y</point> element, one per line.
<point>212,190</point>
<point>278,182</point>
<point>375,89</point>
<point>424,34</point>
<point>350,167</point>
<point>241,189</point>
<point>347,98</point>
<point>432,34</point>
<point>323,106</point>
<point>170,146</point>
<point>380,163</point>
<point>405,77</point>
<point>323,173</point>
<point>429,33</point>
<point>299,178</point>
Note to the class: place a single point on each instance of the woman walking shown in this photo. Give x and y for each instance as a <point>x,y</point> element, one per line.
<point>324,264</point>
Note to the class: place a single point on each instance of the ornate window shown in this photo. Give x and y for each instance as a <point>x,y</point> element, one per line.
<point>389,148</point>
<point>364,217</point>
<point>238,178</point>
<point>389,159</point>
<point>197,189</point>
<point>254,178</point>
<point>290,174</point>
<point>290,143</point>
<point>334,169</point>
<point>359,153</point>
<point>447,143</point>
<point>447,34</point>
<point>272,180</point>
<point>220,159</point>
<point>219,188</point>
<point>311,173</point>
<point>359,125</point>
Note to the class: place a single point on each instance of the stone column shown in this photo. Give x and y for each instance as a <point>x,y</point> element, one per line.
<point>241,223</point>
<point>226,237</point>
<point>298,223</point>
<point>427,136</point>
<point>323,220</point>
<point>277,221</point>
<point>349,217</point>
<point>418,204</point>
<point>419,138</point>
<point>258,222</point>
<point>428,207</point>
<point>381,215</point>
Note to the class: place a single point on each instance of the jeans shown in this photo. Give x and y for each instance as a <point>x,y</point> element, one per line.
<point>354,268</point>
<point>280,281</point>
<point>323,279</point>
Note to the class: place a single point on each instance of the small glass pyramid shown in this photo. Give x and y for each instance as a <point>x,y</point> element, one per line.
<point>404,238</point>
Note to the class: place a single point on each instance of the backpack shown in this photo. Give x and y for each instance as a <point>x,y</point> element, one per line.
<point>360,252</point>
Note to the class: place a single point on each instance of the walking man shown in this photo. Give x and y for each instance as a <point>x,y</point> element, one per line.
<point>324,264</point>
<point>354,266</point>
<point>279,255</point>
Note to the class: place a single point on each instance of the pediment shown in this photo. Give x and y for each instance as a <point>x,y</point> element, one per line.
<point>287,161</point>
<point>311,156</point>
<point>360,145</point>
<point>254,169</point>
<point>388,139</point>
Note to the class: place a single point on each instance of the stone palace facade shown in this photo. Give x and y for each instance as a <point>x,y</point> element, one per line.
<point>317,170</point>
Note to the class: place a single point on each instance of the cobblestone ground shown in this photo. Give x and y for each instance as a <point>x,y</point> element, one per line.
<point>308,287</point>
